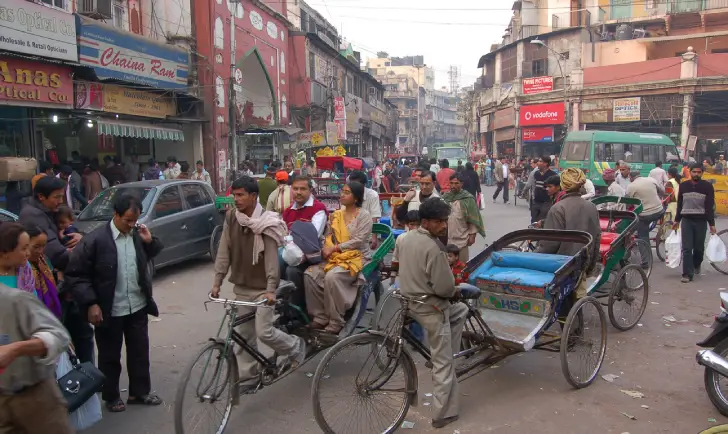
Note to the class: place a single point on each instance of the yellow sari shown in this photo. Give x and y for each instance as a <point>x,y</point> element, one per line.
<point>350,259</point>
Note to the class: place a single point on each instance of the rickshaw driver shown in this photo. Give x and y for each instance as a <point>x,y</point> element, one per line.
<point>424,270</point>
<point>572,212</point>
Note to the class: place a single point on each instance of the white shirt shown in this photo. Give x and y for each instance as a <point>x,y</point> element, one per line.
<point>590,190</point>
<point>505,172</point>
<point>318,219</point>
<point>414,205</point>
<point>377,181</point>
<point>434,168</point>
<point>371,203</point>
<point>622,181</point>
<point>659,175</point>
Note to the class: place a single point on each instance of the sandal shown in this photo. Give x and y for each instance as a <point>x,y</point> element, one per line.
<point>115,406</point>
<point>144,400</point>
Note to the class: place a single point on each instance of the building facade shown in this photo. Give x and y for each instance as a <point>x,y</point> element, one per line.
<point>103,79</point>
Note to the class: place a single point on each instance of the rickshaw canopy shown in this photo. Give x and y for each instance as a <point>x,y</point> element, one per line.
<point>328,163</point>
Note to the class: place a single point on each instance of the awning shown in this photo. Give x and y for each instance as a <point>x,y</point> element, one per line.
<point>139,130</point>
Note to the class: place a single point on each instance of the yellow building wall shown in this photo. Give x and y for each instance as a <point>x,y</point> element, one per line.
<point>720,184</point>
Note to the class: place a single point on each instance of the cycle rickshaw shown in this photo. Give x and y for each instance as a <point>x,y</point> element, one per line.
<point>516,299</point>
<point>210,381</point>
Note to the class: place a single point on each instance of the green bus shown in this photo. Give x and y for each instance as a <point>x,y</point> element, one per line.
<point>593,151</point>
<point>451,151</point>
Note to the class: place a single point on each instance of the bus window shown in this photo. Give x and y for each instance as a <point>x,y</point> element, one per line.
<point>651,154</point>
<point>633,153</point>
<point>576,151</point>
<point>612,151</point>
<point>669,153</point>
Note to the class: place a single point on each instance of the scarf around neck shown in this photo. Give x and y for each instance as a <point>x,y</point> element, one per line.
<point>469,207</point>
<point>262,223</point>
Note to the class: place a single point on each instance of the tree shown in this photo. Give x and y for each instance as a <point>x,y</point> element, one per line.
<point>466,113</point>
<point>382,54</point>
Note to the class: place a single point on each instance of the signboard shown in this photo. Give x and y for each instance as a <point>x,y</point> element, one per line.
<point>340,129</point>
<point>89,96</point>
<point>537,85</point>
<point>538,134</point>
<point>542,114</point>
<point>119,99</point>
<point>339,108</point>
<point>692,140</point>
<point>115,54</point>
<point>353,112</point>
<point>38,30</point>
<point>331,133</point>
<point>314,138</point>
<point>23,82</point>
<point>626,109</point>
<point>484,121</point>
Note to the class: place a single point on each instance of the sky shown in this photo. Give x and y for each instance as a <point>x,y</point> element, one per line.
<point>452,32</point>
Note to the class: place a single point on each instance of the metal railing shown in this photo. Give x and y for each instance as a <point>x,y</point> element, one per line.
<point>577,18</point>
<point>686,6</point>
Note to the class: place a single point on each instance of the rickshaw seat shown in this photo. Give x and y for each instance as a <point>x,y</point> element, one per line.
<point>606,240</point>
<point>604,224</point>
<point>544,262</point>
<point>522,269</point>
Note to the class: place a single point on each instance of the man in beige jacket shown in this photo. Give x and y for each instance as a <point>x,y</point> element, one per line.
<point>424,270</point>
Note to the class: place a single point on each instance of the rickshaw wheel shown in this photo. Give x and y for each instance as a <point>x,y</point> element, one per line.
<point>625,306</point>
<point>634,255</point>
<point>662,231</point>
<point>583,342</point>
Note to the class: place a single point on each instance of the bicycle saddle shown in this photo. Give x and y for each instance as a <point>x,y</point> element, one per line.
<point>469,292</point>
<point>285,288</point>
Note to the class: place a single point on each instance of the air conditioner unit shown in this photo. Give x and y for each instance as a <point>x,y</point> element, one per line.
<point>97,9</point>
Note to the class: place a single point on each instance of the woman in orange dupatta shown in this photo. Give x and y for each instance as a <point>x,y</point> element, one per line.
<point>331,287</point>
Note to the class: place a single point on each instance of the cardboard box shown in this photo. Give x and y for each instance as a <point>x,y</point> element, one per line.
<point>17,169</point>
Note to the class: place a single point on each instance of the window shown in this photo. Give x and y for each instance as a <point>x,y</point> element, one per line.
<point>311,65</point>
<point>576,151</point>
<point>565,55</point>
<point>169,202</point>
<point>195,195</point>
<point>318,93</point>
<point>304,21</point>
<point>220,34</point>
<point>102,207</point>
<point>118,14</point>
<point>539,68</point>
<point>60,4</point>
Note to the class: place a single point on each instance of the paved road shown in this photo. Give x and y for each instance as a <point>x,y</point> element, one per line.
<point>524,394</point>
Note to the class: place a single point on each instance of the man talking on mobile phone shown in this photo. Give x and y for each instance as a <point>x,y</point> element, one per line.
<point>108,276</point>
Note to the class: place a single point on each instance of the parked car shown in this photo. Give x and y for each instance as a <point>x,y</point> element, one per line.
<point>7,216</point>
<point>181,213</point>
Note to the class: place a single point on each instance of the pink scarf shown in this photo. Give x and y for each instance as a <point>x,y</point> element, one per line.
<point>263,223</point>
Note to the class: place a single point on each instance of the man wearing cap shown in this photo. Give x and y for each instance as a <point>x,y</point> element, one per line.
<point>267,185</point>
<point>282,197</point>
<point>200,174</point>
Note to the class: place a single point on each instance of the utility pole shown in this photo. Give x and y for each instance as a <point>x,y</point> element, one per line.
<point>232,116</point>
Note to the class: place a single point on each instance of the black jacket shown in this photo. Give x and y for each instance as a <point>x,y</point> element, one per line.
<point>35,213</point>
<point>92,269</point>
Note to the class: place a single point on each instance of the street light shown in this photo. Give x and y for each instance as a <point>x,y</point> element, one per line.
<point>559,58</point>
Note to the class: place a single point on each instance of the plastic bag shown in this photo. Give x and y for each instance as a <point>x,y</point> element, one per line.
<point>90,412</point>
<point>292,254</point>
<point>673,249</point>
<point>716,250</point>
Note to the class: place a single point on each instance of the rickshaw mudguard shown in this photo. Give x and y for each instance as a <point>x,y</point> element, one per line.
<point>407,359</point>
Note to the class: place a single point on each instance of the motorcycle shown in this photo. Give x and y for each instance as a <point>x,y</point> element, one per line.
<point>715,361</point>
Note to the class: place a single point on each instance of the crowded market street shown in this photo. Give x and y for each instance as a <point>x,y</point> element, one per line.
<point>523,394</point>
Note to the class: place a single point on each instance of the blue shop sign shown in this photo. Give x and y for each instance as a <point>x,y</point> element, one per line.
<point>119,55</point>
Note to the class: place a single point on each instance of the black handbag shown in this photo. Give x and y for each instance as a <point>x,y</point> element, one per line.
<point>80,383</point>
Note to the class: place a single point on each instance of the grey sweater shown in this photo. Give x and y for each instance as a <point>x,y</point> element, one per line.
<point>24,317</point>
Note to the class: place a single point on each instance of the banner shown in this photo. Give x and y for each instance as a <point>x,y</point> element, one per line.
<point>626,109</point>
<point>542,114</point>
<point>28,83</point>
<point>128,101</point>
<point>537,85</point>
<point>314,138</point>
<point>38,30</point>
<point>538,134</point>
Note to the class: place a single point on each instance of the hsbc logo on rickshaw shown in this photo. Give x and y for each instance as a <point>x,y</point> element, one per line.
<point>542,114</point>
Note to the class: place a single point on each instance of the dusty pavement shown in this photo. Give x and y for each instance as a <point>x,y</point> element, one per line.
<point>524,394</point>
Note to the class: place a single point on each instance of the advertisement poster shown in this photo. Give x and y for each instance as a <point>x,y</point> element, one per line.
<point>537,85</point>
<point>626,109</point>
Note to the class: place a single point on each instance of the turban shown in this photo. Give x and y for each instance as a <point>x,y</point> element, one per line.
<point>609,175</point>
<point>572,179</point>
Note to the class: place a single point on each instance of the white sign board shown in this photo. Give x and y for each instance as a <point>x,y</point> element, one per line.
<point>626,109</point>
<point>38,30</point>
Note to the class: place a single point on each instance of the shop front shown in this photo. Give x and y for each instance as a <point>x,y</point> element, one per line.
<point>542,129</point>
<point>504,132</point>
<point>658,114</point>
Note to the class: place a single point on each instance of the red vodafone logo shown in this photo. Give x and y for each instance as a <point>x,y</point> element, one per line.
<point>542,114</point>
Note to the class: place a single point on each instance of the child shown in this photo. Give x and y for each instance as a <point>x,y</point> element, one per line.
<point>64,221</point>
<point>412,221</point>
<point>553,188</point>
<point>457,266</point>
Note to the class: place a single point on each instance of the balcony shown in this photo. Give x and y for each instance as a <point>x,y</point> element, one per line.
<point>687,6</point>
<point>653,9</point>
<point>400,94</point>
<point>577,18</point>
<point>408,113</point>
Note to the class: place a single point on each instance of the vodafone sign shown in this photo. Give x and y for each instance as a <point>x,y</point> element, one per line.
<point>542,114</point>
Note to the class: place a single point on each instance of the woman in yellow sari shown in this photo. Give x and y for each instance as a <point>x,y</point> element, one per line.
<point>331,287</point>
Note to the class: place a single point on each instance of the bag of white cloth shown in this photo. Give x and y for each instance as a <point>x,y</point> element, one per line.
<point>291,254</point>
<point>90,412</point>
<point>673,249</point>
<point>716,250</point>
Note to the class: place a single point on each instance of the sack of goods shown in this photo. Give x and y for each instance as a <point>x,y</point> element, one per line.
<point>673,249</point>
<point>716,250</point>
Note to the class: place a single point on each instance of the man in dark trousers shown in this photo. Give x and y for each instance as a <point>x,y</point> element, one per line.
<point>108,275</point>
<point>695,212</point>
<point>541,202</point>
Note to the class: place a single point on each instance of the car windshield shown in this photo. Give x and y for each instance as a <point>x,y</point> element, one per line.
<point>452,153</point>
<point>102,207</point>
